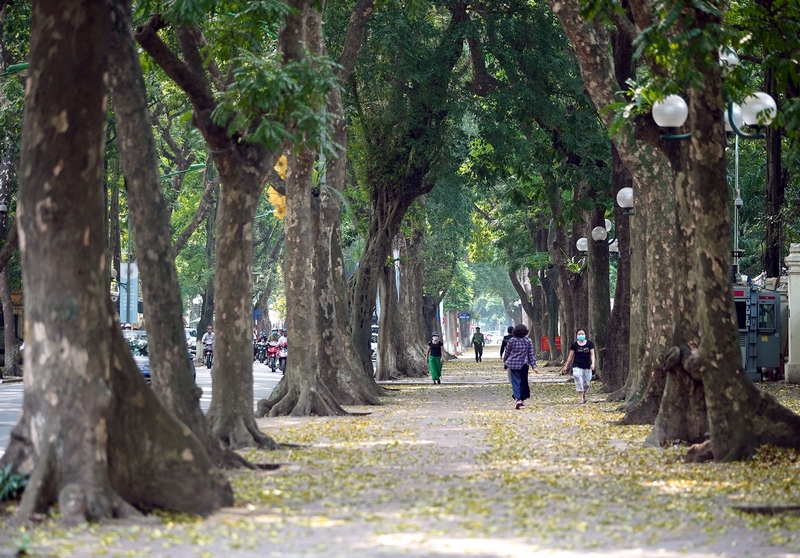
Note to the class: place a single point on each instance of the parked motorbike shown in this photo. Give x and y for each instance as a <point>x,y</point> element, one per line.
<point>272,354</point>
<point>283,351</point>
<point>208,354</point>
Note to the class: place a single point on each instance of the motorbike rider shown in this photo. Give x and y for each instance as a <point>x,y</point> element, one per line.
<point>282,349</point>
<point>274,335</point>
<point>209,337</point>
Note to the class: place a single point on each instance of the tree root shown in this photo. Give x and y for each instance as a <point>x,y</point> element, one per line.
<point>239,432</point>
<point>699,453</point>
<point>301,402</point>
<point>616,396</point>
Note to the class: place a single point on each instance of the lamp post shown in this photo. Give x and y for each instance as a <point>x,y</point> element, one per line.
<point>758,109</point>
<point>195,167</point>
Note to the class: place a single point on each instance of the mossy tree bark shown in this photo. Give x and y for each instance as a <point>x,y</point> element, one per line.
<point>84,394</point>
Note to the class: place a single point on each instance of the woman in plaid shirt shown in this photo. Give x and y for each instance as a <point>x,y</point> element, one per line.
<point>516,358</point>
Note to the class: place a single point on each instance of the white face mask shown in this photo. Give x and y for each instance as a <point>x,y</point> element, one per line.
<point>435,338</point>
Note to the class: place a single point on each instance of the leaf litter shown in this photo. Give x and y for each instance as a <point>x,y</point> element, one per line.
<point>454,470</point>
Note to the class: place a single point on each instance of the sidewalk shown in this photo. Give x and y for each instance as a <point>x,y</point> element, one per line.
<point>452,470</point>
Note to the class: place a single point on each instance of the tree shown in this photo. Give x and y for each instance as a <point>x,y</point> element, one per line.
<point>705,380</point>
<point>150,217</point>
<point>86,393</point>
<point>404,112</point>
<point>246,132</point>
<point>334,377</point>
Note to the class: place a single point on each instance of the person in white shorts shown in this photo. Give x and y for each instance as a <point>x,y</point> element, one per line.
<point>582,352</point>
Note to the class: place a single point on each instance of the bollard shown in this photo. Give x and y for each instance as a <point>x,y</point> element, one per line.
<point>793,363</point>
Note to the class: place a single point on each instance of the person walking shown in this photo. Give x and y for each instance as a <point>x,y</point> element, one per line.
<point>435,358</point>
<point>509,335</point>
<point>478,342</point>
<point>582,352</point>
<point>510,332</point>
<point>517,359</point>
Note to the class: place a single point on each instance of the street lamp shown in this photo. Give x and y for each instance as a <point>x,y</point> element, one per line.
<point>625,200</point>
<point>15,68</point>
<point>758,109</point>
<point>671,113</point>
<point>195,167</point>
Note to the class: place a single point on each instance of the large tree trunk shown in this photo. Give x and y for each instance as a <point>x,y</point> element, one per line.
<point>303,390</point>
<point>84,394</point>
<point>617,358</point>
<point>231,413</point>
<point>598,289</point>
<point>401,348</point>
<point>11,364</point>
<point>775,190</point>
<point>558,250</point>
<point>243,168</point>
<point>338,377</point>
<point>353,385</point>
<point>170,366</point>
<point>385,219</point>
<point>430,315</point>
<point>740,417</point>
<point>207,305</point>
<point>524,298</point>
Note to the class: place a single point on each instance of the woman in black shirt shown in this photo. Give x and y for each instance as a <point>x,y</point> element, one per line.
<point>435,358</point>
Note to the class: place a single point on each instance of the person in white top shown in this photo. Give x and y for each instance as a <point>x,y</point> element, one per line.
<point>208,336</point>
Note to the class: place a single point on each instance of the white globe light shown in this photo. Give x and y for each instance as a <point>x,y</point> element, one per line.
<point>609,224</point>
<point>625,198</point>
<point>671,112</point>
<point>614,246</point>
<point>737,118</point>
<point>582,245</point>
<point>599,233</point>
<point>759,103</point>
<point>727,59</point>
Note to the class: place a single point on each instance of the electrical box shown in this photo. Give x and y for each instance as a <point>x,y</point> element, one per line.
<point>758,318</point>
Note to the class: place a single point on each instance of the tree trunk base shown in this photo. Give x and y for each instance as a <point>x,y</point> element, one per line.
<point>617,396</point>
<point>682,414</point>
<point>238,432</point>
<point>297,401</point>
<point>134,456</point>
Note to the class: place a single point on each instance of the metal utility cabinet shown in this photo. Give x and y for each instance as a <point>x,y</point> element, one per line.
<point>758,315</point>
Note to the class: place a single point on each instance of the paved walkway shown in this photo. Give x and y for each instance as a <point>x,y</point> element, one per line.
<point>452,470</point>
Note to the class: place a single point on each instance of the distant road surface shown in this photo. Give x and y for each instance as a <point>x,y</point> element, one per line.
<point>11,397</point>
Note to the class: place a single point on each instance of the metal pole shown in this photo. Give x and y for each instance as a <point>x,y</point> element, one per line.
<point>736,196</point>
<point>128,282</point>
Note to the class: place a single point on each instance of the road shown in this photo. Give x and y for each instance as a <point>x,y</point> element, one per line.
<point>11,397</point>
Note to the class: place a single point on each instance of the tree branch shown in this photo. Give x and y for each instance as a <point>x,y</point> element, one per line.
<point>354,38</point>
<point>11,244</point>
<point>206,202</point>
<point>194,84</point>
